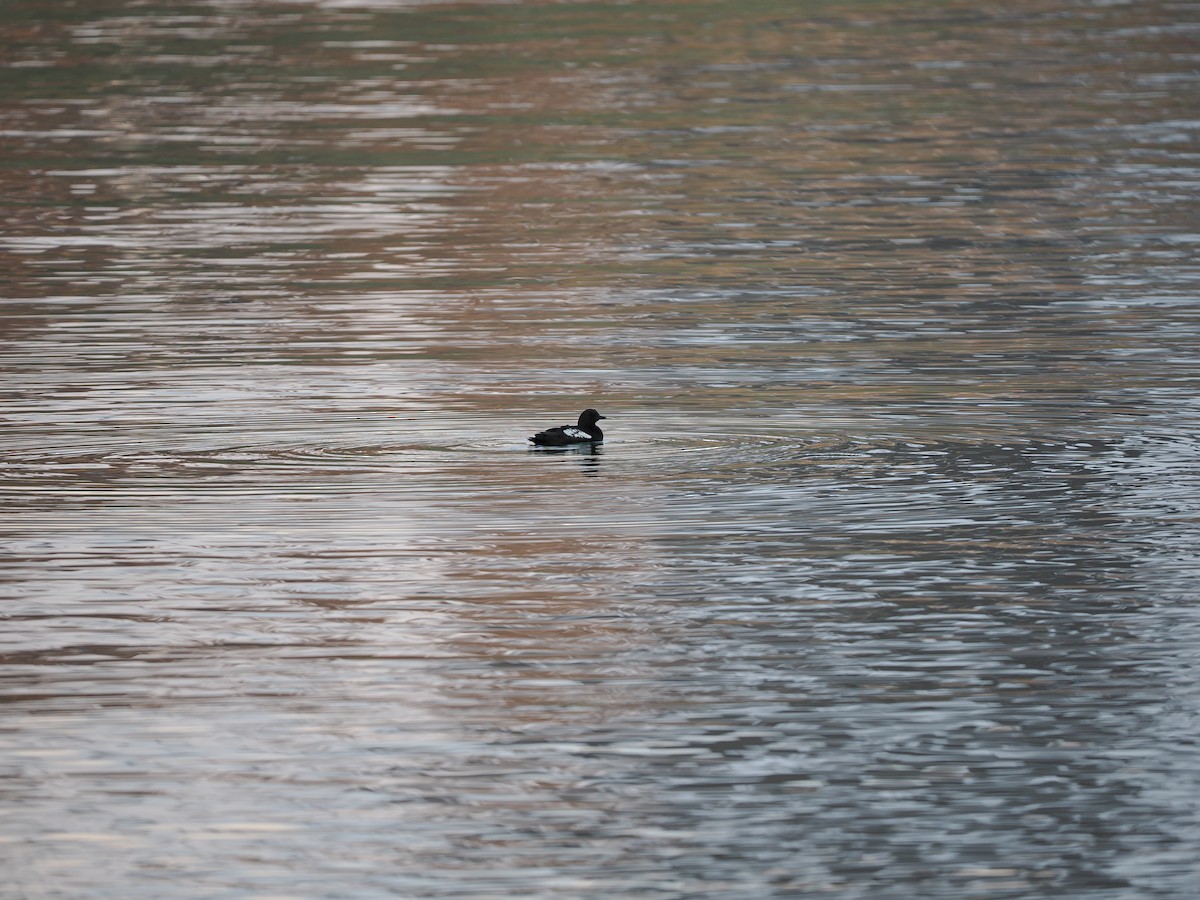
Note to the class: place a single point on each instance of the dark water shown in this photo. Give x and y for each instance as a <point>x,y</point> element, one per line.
<point>884,584</point>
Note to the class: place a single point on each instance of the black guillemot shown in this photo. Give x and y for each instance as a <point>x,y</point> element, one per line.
<point>586,432</point>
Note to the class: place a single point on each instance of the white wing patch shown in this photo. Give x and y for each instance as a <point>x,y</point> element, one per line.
<point>576,434</point>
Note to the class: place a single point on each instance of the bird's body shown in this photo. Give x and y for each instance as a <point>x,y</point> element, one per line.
<point>586,432</point>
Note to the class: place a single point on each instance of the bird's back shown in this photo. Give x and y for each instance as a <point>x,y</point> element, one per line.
<point>561,436</point>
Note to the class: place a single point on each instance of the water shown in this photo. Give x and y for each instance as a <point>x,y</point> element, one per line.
<point>883,584</point>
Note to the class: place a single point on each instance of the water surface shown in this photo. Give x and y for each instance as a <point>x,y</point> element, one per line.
<point>882,585</point>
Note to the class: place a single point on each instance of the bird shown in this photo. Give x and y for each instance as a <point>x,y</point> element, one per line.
<point>586,432</point>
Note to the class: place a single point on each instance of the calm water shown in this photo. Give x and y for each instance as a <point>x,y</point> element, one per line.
<point>884,584</point>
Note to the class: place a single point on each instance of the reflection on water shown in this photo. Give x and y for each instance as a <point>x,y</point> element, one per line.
<point>881,585</point>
